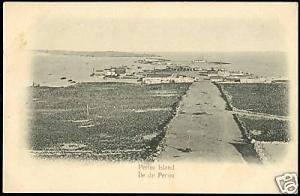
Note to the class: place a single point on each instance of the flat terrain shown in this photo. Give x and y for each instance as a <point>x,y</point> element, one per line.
<point>267,130</point>
<point>203,124</point>
<point>262,111</point>
<point>274,152</point>
<point>111,121</point>
<point>268,98</point>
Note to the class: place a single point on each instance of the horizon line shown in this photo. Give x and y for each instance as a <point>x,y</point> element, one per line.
<point>155,51</point>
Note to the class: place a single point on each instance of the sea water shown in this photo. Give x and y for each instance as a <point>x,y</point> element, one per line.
<point>48,69</point>
<point>267,64</point>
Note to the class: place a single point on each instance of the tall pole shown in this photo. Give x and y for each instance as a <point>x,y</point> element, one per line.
<point>87,111</point>
<point>188,140</point>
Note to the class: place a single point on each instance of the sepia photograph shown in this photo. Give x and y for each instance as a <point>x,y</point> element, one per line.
<point>179,97</point>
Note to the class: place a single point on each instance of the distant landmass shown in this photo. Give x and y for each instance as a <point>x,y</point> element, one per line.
<point>96,53</point>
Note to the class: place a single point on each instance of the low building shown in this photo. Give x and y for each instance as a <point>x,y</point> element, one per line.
<point>154,80</point>
<point>113,72</point>
<point>157,75</point>
<point>183,79</point>
<point>216,78</point>
<point>223,73</point>
<point>169,79</point>
<point>212,74</point>
<point>232,79</point>
<point>119,70</point>
<point>239,74</point>
<point>98,72</point>
<point>180,68</point>
<point>253,80</point>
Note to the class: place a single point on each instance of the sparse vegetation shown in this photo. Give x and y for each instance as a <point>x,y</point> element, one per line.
<point>123,121</point>
<point>267,130</point>
<point>269,98</point>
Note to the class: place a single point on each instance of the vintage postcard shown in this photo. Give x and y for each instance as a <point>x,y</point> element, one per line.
<point>180,97</point>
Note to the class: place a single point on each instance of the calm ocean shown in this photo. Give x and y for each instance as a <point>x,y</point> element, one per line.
<point>48,69</point>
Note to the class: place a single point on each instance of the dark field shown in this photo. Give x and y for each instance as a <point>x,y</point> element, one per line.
<point>267,130</point>
<point>266,98</point>
<point>123,121</point>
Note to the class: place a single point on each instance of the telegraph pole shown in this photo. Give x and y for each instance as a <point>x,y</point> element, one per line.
<point>87,111</point>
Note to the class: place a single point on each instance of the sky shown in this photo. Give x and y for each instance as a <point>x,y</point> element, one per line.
<point>152,27</point>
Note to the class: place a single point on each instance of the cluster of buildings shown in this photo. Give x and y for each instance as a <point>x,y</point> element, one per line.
<point>171,74</point>
<point>165,78</point>
<point>154,61</point>
<point>112,72</point>
<point>222,75</point>
<point>180,68</point>
<point>145,77</point>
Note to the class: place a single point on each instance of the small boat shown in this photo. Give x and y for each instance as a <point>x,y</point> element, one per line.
<point>73,82</point>
<point>70,80</point>
<point>63,78</point>
<point>199,61</point>
<point>220,62</point>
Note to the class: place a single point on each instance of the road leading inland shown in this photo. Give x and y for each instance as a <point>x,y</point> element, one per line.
<point>203,125</point>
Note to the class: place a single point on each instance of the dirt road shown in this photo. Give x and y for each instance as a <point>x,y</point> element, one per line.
<point>203,125</point>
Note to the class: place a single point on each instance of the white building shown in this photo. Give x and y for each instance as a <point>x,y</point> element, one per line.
<point>223,73</point>
<point>171,79</point>
<point>216,78</point>
<point>183,79</point>
<point>236,74</point>
<point>253,80</point>
<point>212,74</point>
